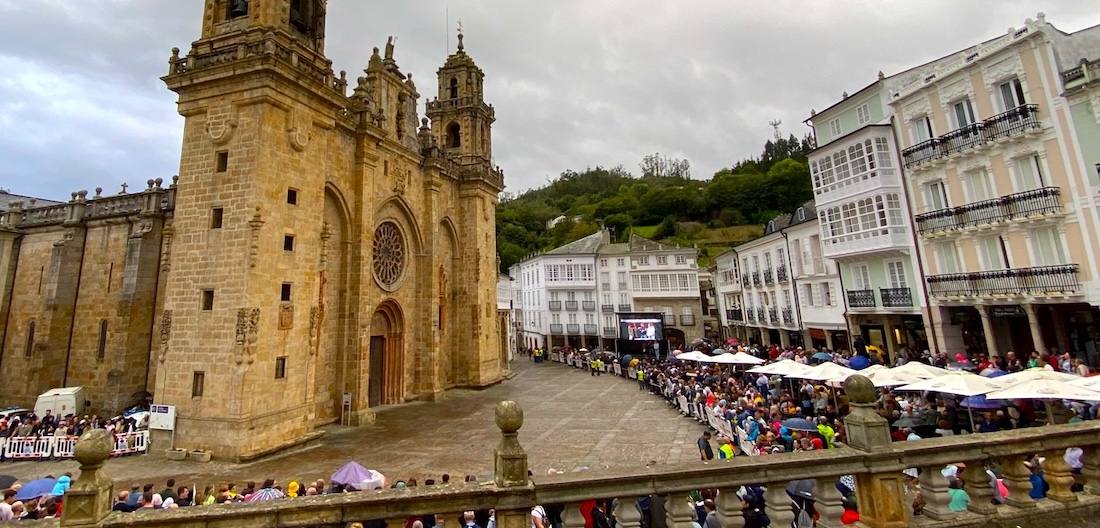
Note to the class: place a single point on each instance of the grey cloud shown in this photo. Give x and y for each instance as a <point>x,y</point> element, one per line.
<point>575,83</point>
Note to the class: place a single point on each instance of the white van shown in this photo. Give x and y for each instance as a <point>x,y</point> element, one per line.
<point>61,402</point>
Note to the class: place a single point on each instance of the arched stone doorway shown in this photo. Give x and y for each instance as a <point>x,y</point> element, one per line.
<point>386,364</point>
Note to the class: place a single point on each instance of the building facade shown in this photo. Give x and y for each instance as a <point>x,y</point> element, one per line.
<point>312,239</point>
<point>729,297</point>
<point>573,295</point>
<point>865,222</point>
<point>1007,247</point>
<point>819,304</point>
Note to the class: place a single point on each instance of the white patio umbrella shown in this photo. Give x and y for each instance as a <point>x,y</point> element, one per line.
<point>824,372</point>
<point>1088,383</point>
<point>1045,389</point>
<point>694,355</point>
<point>885,377</point>
<point>921,370</point>
<point>783,367</point>
<point>957,382</point>
<point>1036,373</point>
<point>739,358</point>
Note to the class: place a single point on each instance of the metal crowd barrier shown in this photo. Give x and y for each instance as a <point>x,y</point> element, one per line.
<point>46,447</point>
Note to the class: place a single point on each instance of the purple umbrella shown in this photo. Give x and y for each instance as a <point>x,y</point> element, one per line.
<point>352,473</point>
<point>979,402</point>
<point>265,494</point>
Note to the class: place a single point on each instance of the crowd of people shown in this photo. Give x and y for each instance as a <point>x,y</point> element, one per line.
<point>31,425</point>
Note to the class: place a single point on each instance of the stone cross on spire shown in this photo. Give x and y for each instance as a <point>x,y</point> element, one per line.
<point>460,46</point>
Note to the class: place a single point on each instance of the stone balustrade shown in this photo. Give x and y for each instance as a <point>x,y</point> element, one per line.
<point>871,458</point>
<point>154,199</point>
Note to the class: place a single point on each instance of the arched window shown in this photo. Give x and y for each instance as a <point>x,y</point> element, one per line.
<point>101,350</point>
<point>30,340</point>
<point>454,88</point>
<point>454,135</point>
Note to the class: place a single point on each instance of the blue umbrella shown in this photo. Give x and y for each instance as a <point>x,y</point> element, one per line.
<point>823,356</point>
<point>799,424</point>
<point>35,489</point>
<point>993,372</point>
<point>979,402</point>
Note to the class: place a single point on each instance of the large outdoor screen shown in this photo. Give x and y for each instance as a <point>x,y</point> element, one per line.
<point>641,328</point>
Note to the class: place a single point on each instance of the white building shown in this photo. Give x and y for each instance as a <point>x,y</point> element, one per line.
<point>558,290</point>
<point>819,303</point>
<point>506,314</point>
<point>729,282</point>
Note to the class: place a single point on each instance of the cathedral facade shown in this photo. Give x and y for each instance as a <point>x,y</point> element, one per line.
<point>323,252</point>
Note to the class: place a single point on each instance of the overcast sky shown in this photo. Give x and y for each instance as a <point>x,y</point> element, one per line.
<point>575,83</point>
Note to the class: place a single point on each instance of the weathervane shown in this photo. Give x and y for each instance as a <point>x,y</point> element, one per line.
<point>460,47</point>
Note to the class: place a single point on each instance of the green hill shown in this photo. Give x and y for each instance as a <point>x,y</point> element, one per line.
<point>664,203</point>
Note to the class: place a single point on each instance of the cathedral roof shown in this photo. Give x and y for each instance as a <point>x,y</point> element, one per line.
<point>6,198</point>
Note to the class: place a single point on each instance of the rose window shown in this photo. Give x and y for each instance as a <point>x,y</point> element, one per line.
<point>389,254</point>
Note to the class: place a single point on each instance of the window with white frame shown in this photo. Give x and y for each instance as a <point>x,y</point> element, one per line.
<point>662,260</point>
<point>962,113</point>
<point>589,318</point>
<point>834,127</point>
<point>572,318</point>
<point>620,262</point>
<point>895,273</point>
<point>643,261</point>
<point>681,259</point>
<point>555,318</point>
<point>920,129</point>
<point>1011,94</point>
<point>755,263</point>
<point>553,296</point>
<point>624,299</point>
<point>817,295</point>
<point>948,256</point>
<point>868,220</point>
<point>603,263</point>
<point>607,298</point>
<point>863,114</point>
<point>685,310</point>
<point>840,165</point>
<point>1028,173</point>
<point>935,196</point>
<point>861,277</point>
<point>780,257</point>
<point>786,298</point>
<point>1046,244</point>
<point>893,209</point>
<point>806,296</point>
<point>767,260</point>
<point>570,296</point>
<point>993,252</point>
<point>978,185</point>
<point>605,277</point>
<point>883,156</point>
<point>622,277</point>
<point>827,298</point>
<point>588,296</point>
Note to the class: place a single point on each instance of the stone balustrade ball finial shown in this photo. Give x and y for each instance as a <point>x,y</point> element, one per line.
<point>859,389</point>
<point>93,448</point>
<point>509,416</point>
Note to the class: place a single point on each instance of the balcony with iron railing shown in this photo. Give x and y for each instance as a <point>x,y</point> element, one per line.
<point>773,315</point>
<point>756,278</point>
<point>761,315</point>
<point>609,331</point>
<point>868,457</point>
<point>556,328</point>
<point>1026,205</point>
<point>687,320</point>
<point>573,328</point>
<point>555,306</point>
<point>624,307</point>
<point>1050,281</point>
<point>788,316</point>
<point>591,329</point>
<point>571,305</point>
<point>1013,123</point>
<point>769,279</point>
<point>781,274</point>
<point>588,306</point>
<point>896,297</point>
<point>861,299</point>
<point>750,315</point>
<point>607,308</point>
<point>735,314</point>
<point>745,280</point>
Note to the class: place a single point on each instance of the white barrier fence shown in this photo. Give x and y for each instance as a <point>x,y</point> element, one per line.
<point>46,447</point>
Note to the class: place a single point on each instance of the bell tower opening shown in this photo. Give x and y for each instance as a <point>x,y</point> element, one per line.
<point>454,88</point>
<point>454,135</point>
<point>236,9</point>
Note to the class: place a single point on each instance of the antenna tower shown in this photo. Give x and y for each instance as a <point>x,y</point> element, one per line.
<point>775,125</point>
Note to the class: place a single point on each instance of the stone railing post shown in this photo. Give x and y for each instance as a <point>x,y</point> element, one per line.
<point>729,508</point>
<point>777,504</point>
<point>627,514</point>
<point>881,496</point>
<point>571,516</point>
<point>679,513</point>
<point>1016,480</point>
<point>977,484</point>
<point>1090,461</point>
<point>830,504</point>
<point>933,487</point>
<point>1057,473</point>
<point>510,463</point>
<point>88,501</point>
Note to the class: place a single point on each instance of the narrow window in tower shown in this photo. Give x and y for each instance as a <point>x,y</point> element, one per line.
<point>292,196</point>
<point>280,367</point>
<point>101,350</point>
<point>30,340</point>
<point>454,88</point>
<point>454,135</point>
<point>221,161</point>
<point>285,293</point>
<point>288,242</point>
<point>197,382</point>
<point>216,216</point>
<point>207,300</point>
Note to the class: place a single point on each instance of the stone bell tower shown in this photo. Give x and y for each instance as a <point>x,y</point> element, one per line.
<point>461,120</point>
<point>259,100</point>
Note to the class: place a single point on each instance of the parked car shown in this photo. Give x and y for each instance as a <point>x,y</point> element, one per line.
<point>8,413</point>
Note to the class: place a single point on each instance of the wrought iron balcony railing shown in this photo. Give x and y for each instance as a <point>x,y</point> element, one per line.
<point>556,328</point>
<point>1014,122</point>
<point>735,314</point>
<point>609,308</point>
<point>589,306</point>
<point>687,320</point>
<point>572,328</point>
<point>591,329</point>
<point>788,316</point>
<point>773,315</point>
<point>781,274</point>
<point>768,277</point>
<point>756,278</point>
<point>861,298</point>
<point>761,315</point>
<point>1045,200</point>
<point>750,315</point>
<point>624,307</point>
<point>609,331</point>
<point>555,306</point>
<point>896,297</point>
<point>1043,280</point>
<point>745,280</point>
<point>570,305</point>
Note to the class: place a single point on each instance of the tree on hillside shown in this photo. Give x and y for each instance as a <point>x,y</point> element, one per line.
<point>658,166</point>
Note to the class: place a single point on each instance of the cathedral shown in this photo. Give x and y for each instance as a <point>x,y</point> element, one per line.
<point>323,251</point>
